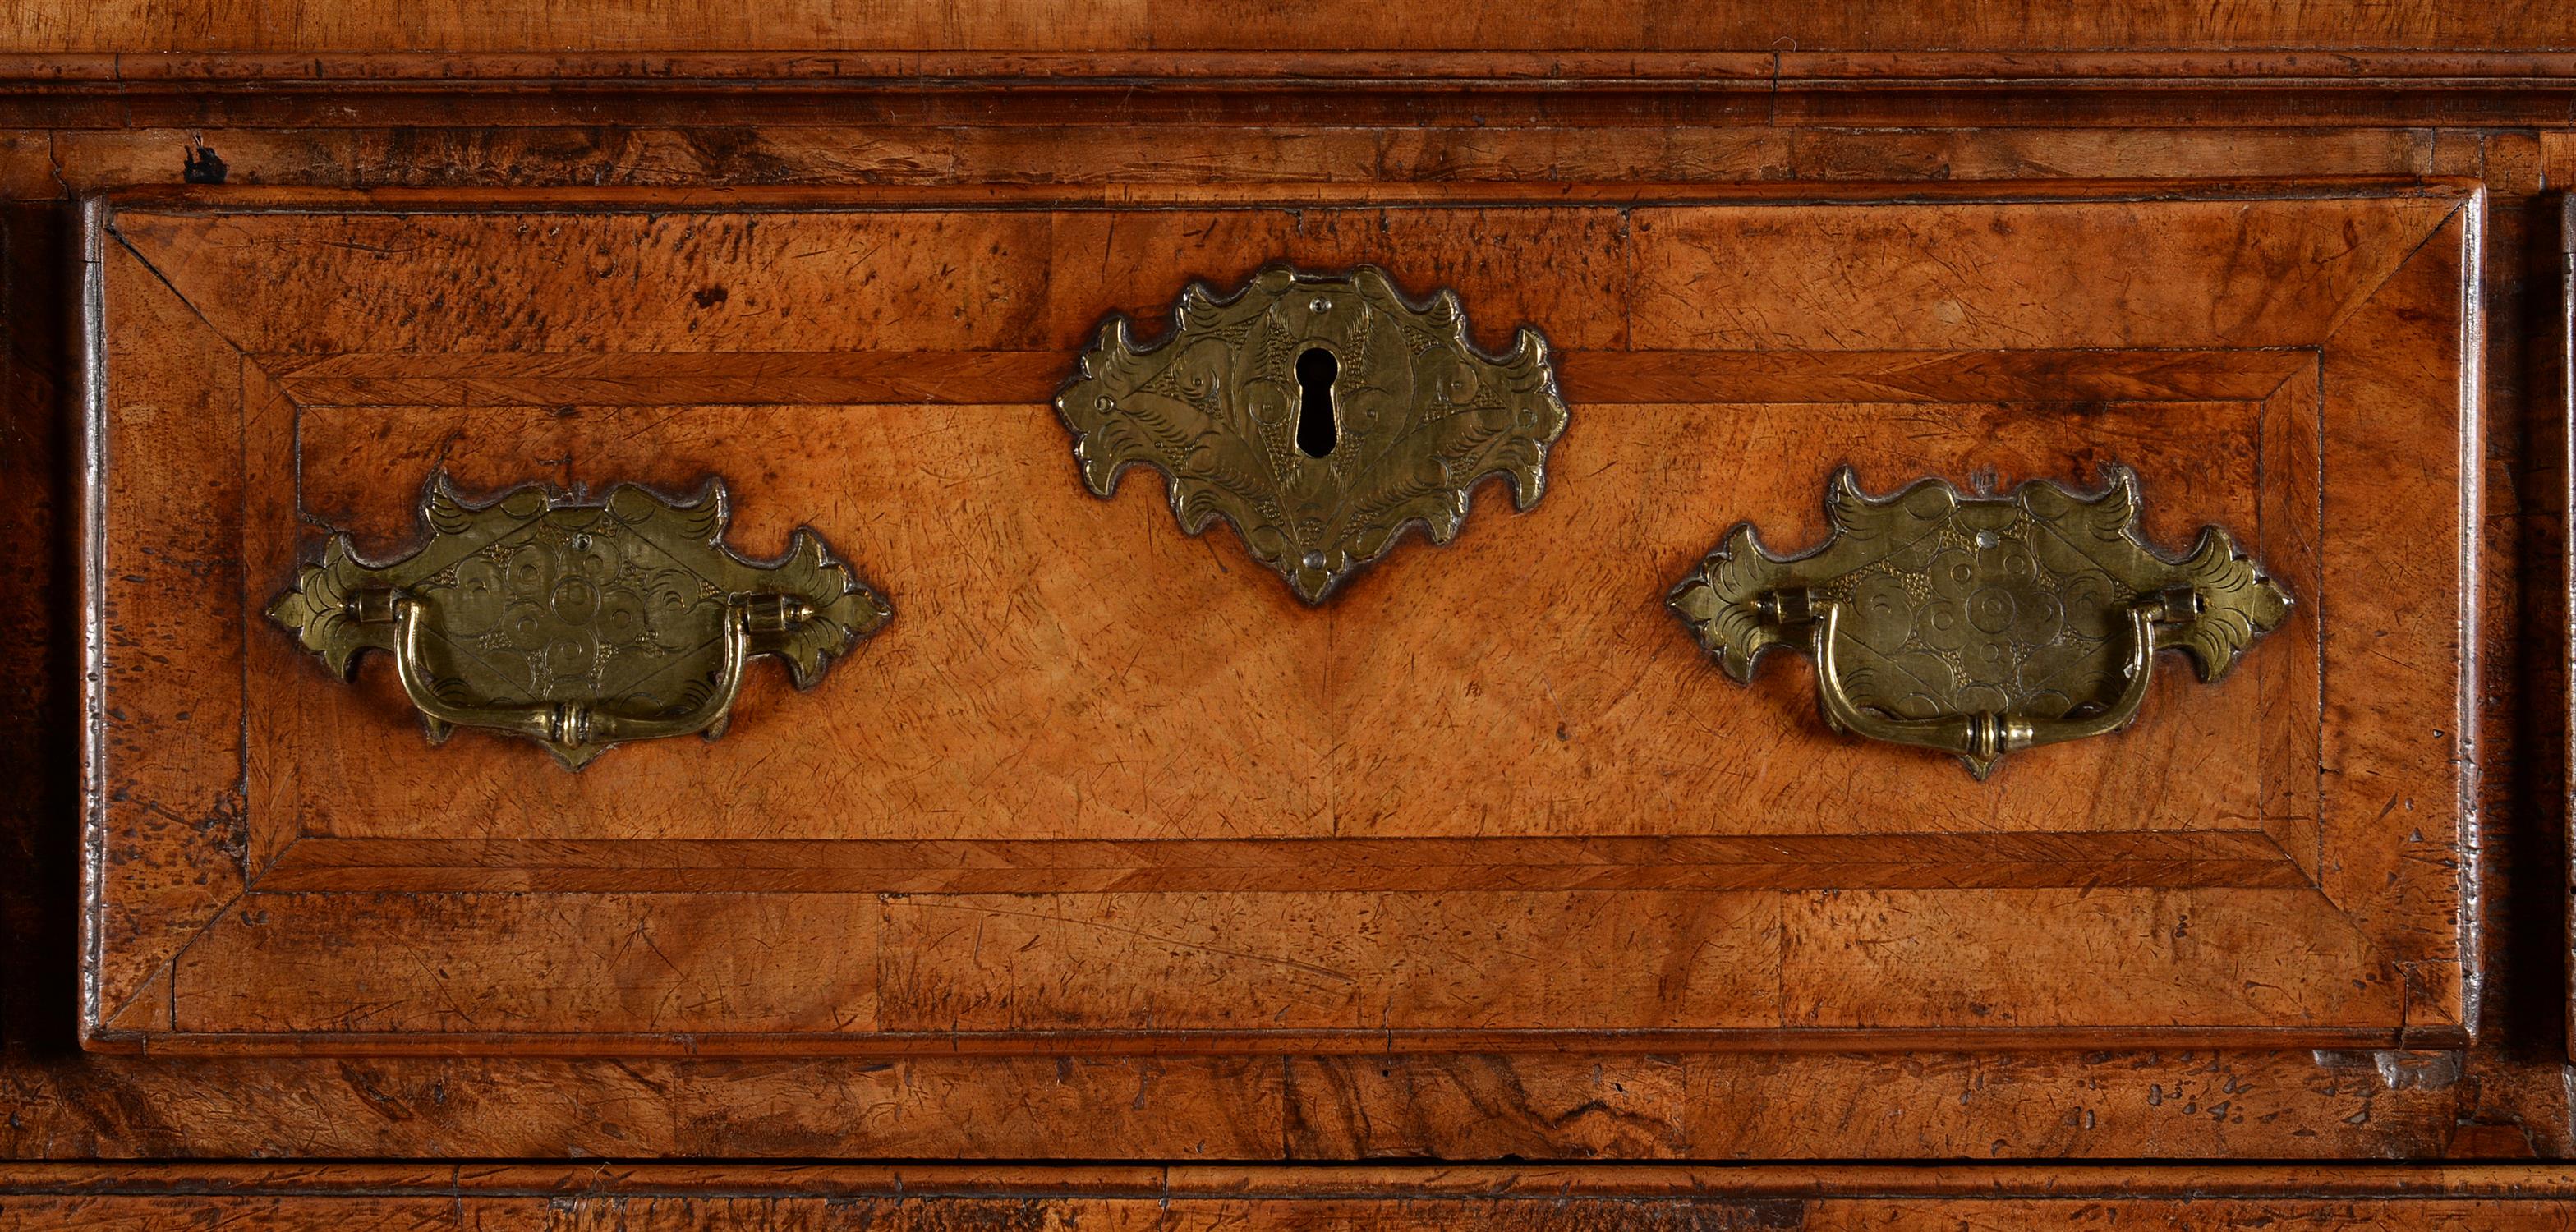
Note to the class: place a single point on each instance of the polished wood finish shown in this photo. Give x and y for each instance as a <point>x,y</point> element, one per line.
<point>1822,1199</point>
<point>952,115</point>
<point>1130,25</point>
<point>1482,703</point>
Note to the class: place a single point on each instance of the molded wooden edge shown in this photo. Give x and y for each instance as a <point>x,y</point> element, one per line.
<point>2122,859</point>
<point>2460,995</point>
<point>1292,70</point>
<point>2567,507</point>
<point>217,199</point>
<point>1607,377</point>
<point>2209,104</point>
<point>1361,1041</point>
<point>100,1020</point>
<point>1094,1044</point>
<point>2467,991</point>
<point>91,525</point>
<point>2528,1182</point>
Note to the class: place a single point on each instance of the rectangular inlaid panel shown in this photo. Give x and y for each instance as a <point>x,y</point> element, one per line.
<point>1100,785</point>
<point>1524,680</point>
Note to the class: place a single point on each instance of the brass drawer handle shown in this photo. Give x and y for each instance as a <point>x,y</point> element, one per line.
<point>567,725</point>
<point>1980,625</point>
<point>1983,738</point>
<point>579,625</point>
<point>1319,414</point>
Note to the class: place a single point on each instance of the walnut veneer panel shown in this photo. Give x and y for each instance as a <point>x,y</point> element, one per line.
<point>1103,787</point>
<point>1053,25</point>
<point>1192,1198</point>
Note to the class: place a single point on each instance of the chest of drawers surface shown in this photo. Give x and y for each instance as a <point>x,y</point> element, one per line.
<point>1095,785</point>
<point>783,620</point>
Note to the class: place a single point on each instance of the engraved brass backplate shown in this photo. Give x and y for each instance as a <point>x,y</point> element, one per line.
<point>1226,406</point>
<point>1980,624</point>
<point>578,624</point>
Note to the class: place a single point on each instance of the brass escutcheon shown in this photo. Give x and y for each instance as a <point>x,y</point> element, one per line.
<point>578,624</point>
<point>1980,625</point>
<point>1319,414</point>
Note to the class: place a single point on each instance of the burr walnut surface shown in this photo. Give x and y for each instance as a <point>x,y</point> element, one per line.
<point>1064,748</point>
<point>1258,961</point>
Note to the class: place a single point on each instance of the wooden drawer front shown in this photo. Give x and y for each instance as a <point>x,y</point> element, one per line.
<point>1103,786</point>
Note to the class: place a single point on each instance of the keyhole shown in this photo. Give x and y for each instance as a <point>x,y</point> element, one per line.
<point>1316,431</point>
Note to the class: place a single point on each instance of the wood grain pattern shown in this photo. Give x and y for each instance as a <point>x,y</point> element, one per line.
<point>2242,858</point>
<point>1850,959</point>
<point>1778,87</point>
<point>1203,1197</point>
<point>1054,25</point>
<point>1815,1105</point>
<point>1096,713</point>
<point>1373,962</point>
<point>1350,123</point>
<point>684,156</point>
<point>1077,714</point>
<point>154,657</point>
<point>2115,1105</point>
<point>884,280</point>
<point>1148,727</point>
<point>2377,403</point>
<point>1721,278</point>
<point>508,962</point>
